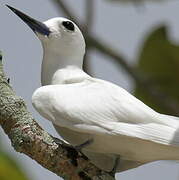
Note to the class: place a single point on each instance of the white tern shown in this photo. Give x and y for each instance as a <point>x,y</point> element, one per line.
<point>83,108</point>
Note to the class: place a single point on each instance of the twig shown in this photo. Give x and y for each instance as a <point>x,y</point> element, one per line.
<point>89,9</point>
<point>59,4</point>
<point>29,138</point>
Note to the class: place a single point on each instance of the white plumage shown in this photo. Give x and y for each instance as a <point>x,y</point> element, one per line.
<point>119,123</point>
<point>83,108</point>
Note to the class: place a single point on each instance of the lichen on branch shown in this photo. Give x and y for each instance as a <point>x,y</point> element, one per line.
<point>29,138</point>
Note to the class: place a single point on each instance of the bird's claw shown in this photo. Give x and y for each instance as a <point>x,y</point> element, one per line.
<point>73,150</point>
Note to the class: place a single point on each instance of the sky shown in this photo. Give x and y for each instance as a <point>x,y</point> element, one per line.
<point>122,26</point>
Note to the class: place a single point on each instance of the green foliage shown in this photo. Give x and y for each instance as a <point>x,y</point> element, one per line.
<point>9,169</point>
<point>159,61</point>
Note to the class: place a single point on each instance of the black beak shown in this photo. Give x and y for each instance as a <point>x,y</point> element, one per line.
<point>35,25</point>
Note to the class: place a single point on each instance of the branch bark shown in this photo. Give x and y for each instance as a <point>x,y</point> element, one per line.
<point>29,138</point>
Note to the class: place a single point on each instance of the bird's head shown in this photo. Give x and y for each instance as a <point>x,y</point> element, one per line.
<point>58,35</point>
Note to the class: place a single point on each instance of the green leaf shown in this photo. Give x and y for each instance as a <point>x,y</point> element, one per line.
<point>159,61</point>
<point>9,170</point>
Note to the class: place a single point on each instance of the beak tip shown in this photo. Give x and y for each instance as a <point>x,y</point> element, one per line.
<point>11,8</point>
<point>8,6</point>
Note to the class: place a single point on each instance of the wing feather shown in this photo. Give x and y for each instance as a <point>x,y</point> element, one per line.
<point>98,106</point>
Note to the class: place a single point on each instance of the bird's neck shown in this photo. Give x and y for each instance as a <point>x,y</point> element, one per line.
<point>57,69</point>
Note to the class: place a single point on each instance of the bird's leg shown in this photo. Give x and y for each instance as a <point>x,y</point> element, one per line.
<point>116,163</point>
<point>72,153</point>
<point>83,145</point>
<point>73,150</point>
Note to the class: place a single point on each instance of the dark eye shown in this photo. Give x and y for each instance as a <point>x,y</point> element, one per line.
<point>68,25</point>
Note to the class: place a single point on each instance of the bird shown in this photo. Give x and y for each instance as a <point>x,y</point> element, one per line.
<point>116,131</point>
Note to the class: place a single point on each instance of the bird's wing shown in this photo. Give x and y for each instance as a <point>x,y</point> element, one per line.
<point>97,106</point>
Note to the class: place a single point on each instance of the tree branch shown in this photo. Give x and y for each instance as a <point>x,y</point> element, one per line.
<point>29,138</point>
<point>59,4</point>
<point>89,9</point>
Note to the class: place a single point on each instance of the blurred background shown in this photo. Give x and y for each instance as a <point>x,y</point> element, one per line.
<point>133,43</point>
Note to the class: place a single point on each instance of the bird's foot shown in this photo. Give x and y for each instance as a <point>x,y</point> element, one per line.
<point>73,151</point>
<point>83,145</point>
<point>114,169</point>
